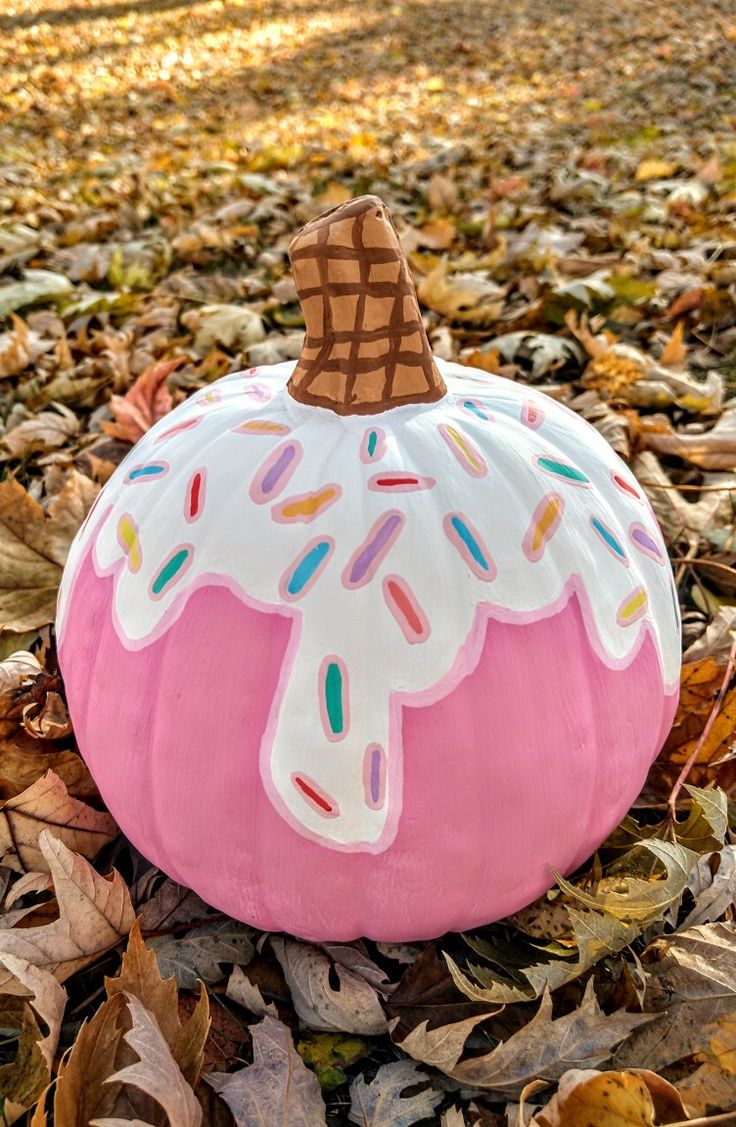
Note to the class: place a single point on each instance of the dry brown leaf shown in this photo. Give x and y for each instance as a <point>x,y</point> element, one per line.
<point>713,450</point>
<point>674,352</point>
<point>33,548</point>
<point>94,915</point>
<point>26,885</point>
<point>700,684</point>
<point>147,401</point>
<point>722,1046</point>
<point>15,348</point>
<point>470,298</point>
<point>23,1080</point>
<point>23,759</point>
<point>708,1089</point>
<point>48,720</point>
<point>46,431</point>
<point>156,1073</point>
<point>139,975</point>
<point>240,989</point>
<point>633,1098</point>
<point>277,1088</point>
<point>48,804</point>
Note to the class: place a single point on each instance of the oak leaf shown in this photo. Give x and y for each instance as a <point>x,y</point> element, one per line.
<point>47,803</point>
<point>34,545</point>
<point>277,1088</point>
<point>381,1103</point>
<point>46,431</point>
<point>351,1007</point>
<point>94,915</point>
<point>23,1080</point>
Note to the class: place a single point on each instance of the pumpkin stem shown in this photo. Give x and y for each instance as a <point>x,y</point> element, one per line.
<point>365,349</point>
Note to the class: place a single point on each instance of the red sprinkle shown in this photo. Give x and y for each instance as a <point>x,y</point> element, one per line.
<point>313,795</point>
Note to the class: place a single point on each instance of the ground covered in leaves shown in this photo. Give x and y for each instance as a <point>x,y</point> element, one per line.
<point>564,181</point>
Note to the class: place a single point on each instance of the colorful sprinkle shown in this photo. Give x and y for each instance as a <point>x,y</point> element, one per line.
<point>334,698</point>
<point>171,572</point>
<point>633,607</point>
<point>532,414</point>
<point>318,798</point>
<point>261,426</point>
<point>464,450</point>
<point>195,495</point>
<point>624,486</point>
<point>306,568</point>
<point>645,542</point>
<point>150,472</point>
<point>543,525</point>
<point>128,539</point>
<point>212,395</point>
<point>258,392</point>
<point>374,776</point>
<point>564,470</point>
<point>476,409</point>
<point>469,543</point>
<point>365,561</point>
<point>610,541</point>
<point>305,507</point>
<point>397,481</point>
<point>275,473</point>
<point>373,445</point>
<point>403,605</point>
<point>179,428</point>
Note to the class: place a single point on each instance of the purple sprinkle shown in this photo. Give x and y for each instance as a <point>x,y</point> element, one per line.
<point>644,540</point>
<point>376,763</point>
<point>374,547</point>
<point>278,468</point>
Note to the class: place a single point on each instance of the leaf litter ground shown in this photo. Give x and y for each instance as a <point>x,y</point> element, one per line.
<point>564,182</point>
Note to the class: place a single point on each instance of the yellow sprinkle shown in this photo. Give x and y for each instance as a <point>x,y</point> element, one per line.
<point>545,522</point>
<point>464,448</point>
<point>261,426</point>
<point>308,506</point>
<point>634,604</point>
<point>128,538</point>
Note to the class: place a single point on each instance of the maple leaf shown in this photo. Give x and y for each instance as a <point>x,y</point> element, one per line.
<point>277,1087</point>
<point>33,548</point>
<point>147,401</point>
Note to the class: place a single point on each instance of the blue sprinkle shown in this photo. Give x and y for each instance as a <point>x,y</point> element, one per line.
<point>609,538</point>
<point>306,568</point>
<point>470,542</point>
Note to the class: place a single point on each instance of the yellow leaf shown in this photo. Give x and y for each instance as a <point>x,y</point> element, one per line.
<point>654,169</point>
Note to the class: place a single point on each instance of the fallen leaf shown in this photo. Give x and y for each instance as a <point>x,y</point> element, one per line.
<point>655,169</point>
<point>636,1098</point>
<point>199,953</point>
<point>156,1073</point>
<point>46,431</point>
<point>147,401</point>
<point>713,450</point>
<point>23,1080</point>
<point>37,285</point>
<point>470,298</point>
<point>351,1007</point>
<point>700,684</point>
<point>48,804</point>
<point>692,983</point>
<point>47,719</point>
<point>708,1090</point>
<point>381,1104</point>
<point>140,976</point>
<point>240,989</point>
<point>712,885</point>
<point>235,327</point>
<point>541,1050</point>
<point>33,548</point>
<point>329,1054</point>
<point>15,351</point>
<point>276,1088</point>
<point>94,915</point>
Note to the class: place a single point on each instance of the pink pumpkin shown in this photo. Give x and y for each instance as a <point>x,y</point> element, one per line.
<point>369,644</point>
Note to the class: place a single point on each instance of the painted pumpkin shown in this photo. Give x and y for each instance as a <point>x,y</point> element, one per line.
<point>366,645</point>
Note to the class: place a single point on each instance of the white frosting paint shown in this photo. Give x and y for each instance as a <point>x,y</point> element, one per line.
<point>245,536</point>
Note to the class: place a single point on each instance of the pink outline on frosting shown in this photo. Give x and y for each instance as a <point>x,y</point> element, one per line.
<point>602,540</point>
<point>527,407</point>
<point>202,471</point>
<point>277,513</point>
<point>184,425</point>
<point>380,555</point>
<point>462,547</point>
<point>627,620</point>
<point>368,777</point>
<point>295,564</point>
<point>255,491</point>
<point>333,659</point>
<point>380,445</point>
<point>658,557</point>
<point>411,635</point>
<point>455,440</point>
<point>180,573</point>
<point>409,487</point>
<point>535,554</point>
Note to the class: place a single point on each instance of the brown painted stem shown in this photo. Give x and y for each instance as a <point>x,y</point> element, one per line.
<point>365,349</point>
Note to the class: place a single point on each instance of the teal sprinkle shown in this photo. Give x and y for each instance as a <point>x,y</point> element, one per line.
<point>372,443</point>
<point>562,469</point>
<point>608,537</point>
<point>333,698</point>
<point>470,406</point>
<point>169,571</point>
<point>470,542</point>
<point>306,567</point>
